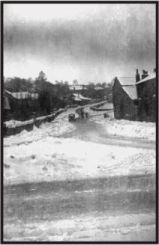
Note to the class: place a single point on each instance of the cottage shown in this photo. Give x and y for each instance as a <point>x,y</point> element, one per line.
<point>135,99</point>
<point>77,88</point>
<point>124,96</point>
<point>19,105</point>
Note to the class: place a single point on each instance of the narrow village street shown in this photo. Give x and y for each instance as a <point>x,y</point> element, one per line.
<point>79,124</point>
<point>80,181</point>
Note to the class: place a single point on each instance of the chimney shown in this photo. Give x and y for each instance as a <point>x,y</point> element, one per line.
<point>144,74</point>
<point>137,76</point>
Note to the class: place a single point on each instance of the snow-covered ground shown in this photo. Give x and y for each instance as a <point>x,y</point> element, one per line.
<point>55,128</point>
<point>124,128</point>
<point>51,159</point>
<point>59,150</point>
<point>40,155</point>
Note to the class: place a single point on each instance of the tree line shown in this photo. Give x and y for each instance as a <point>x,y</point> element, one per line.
<point>50,96</point>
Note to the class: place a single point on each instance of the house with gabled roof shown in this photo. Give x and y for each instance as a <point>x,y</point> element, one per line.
<point>124,96</point>
<point>17,104</point>
<point>77,88</point>
<point>135,98</point>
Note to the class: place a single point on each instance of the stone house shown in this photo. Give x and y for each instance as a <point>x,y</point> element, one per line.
<point>124,97</point>
<point>135,98</point>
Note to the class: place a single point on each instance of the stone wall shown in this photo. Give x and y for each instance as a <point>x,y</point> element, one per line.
<point>7,131</point>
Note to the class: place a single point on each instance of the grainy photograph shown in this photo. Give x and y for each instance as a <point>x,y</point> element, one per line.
<point>79,122</point>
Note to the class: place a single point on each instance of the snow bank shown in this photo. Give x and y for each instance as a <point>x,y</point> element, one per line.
<point>126,128</point>
<point>56,128</point>
<point>133,129</point>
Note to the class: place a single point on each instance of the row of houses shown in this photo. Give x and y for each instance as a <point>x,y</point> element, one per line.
<point>21,105</point>
<point>134,98</point>
<point>82,87</point>
<point>96,92</point>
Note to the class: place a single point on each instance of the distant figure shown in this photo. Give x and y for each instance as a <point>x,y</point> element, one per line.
<point>78,111</point>
<point>82,113</point>
<point>86,114</point>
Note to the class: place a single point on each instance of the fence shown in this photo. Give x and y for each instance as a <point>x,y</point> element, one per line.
<point>97,107</point>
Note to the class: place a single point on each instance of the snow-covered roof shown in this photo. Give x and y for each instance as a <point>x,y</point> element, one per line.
<point>148,78</point>
<point>22,95</point>
<point>77,87</point>
<point>129,86</point>
<point>127,80</point>
<point>84,98</point>
<point>76,97</point>
<point>98,88</point>
<point>131,91</point>
<point>79,97</point>
<point>124,80</point>
<point>7,92</point>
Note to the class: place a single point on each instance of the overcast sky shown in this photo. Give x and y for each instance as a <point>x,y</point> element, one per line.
<point>87,42</point>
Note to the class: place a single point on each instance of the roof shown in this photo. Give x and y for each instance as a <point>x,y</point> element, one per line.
<point>129,86</point>
<point>79,97</point>
<point>98,88</point>
<point>76,97</point>
<point>124,80</point>
<point>22,95</point>
<point>77,87</point>
<point>148,78</point>
<point>127,80</point>
<point>131,91</point>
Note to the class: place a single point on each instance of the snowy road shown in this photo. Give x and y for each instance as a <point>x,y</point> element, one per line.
<point>91,131</point>
<point>80,182</point>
